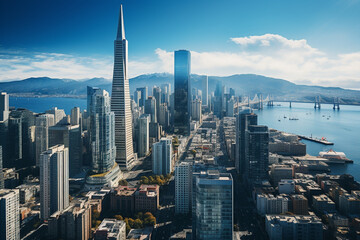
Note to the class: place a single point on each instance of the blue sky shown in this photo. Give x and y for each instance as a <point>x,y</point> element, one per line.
<point>321,38</point>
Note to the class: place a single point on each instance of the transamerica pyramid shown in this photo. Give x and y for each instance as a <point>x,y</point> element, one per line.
<point>120,100</point>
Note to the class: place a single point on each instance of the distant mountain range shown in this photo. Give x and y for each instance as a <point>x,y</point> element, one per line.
<point>244,84</point>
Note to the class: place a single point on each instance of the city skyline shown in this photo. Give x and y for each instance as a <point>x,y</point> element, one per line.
<point>321,45</point>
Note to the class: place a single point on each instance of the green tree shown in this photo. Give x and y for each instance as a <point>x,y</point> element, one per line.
<point>138,224</point>
<point>123,182</point>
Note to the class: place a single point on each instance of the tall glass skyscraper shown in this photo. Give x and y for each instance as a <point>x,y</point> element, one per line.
<point>182,92</point>
<point>120,100</point>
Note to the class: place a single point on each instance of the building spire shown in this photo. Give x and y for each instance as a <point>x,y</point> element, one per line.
<point>121,29</point>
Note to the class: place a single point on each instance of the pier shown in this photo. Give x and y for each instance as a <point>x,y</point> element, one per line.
<point>317,140</point>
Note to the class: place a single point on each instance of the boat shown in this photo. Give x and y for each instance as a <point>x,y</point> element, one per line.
<point>335,157</point>
<point>293,118</point>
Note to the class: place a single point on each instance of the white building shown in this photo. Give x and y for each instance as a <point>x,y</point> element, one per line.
<point>162,157</point>
<point>196,110</point>
<point>269,204</point>
<point>59,114</point>
<point>54,180</point>
<point>286,186</point>
<point>143,138</point>
<point>4,106</point>
<point>183,183</point>
<point>9,214</point>
<point>111,229</point>
<point>75,116</point>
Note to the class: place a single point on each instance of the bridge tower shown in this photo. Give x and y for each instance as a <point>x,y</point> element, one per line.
<point>336,103</point>
<point>290,104</point>
<point>270,102</point>
<point>261,102</point>
<point>317,102</point>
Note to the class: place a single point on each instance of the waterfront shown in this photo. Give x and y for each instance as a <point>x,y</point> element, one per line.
<point>341,127</point>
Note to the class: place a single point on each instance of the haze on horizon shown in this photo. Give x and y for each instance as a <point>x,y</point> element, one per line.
<point>306,42</point>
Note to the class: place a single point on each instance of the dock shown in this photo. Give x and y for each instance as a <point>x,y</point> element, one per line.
<point>317,140</point>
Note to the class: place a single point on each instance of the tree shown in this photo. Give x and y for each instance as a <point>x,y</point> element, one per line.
<point>123,182</point>
<point>138,224</point>
<point>131,222</point>
<point>118,217</point>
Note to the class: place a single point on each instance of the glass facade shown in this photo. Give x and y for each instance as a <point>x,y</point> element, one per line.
<point>182,94</point>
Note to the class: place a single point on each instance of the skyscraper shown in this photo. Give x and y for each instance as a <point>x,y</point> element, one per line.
<point>144,95</point>
<point>105,171</point>
<point>150,108</point>
<point>1,168</point>
<point>9,214</point>
<point>4,106</point>
<point>244,119</point>
<point>42,123</point>
<point>213,206</point>
<point>157,95</point>
<point>54,180</point>
<point>205,91</point>
<point>143,139</point>
<point>162,157</point>
<point>183,183</point>
<point>75,116</point>
<point>120,100</point>
<point>257,153</point>
<point>182,92</point>
<point>196,110</point>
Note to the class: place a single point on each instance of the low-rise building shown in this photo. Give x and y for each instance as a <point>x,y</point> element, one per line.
<point>286,186</point>
<point>281,227</point>
<point>147,198</point>
<point>123,200</point>
<point>323,203</point>
<point>111,229</point>
<point>299,204</point>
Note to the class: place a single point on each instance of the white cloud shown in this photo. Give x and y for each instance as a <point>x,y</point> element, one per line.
<point>269,54</point>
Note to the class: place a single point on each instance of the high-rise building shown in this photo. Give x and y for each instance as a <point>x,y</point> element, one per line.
<point>4,106</point>
<point>143,136</point>
<point>162,157</point>
<point>120,100</point>
<point>143,95</point>
<point>165,93</point>
<point>42,124</point>
<point>164,115</point>
<point>243,120</point>
<point>183,183</point>
<point>105,171</point>
<point>1,169</point>
<point>157,95</point>
<point>54,180</point>
<point>230,107</point>
<point>70,137</point>
<point>205,91</point>
<point>196,110</point>
<point>59,114</point>
<point>9,214</point>
<point>217,105</point>
<point>150,108</point>
<point>75,116</point>
<point>257,153</point>
<point>137,97</point>
<point>182,85</point>
<point>213,206</point>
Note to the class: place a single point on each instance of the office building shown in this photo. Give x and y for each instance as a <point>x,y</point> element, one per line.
<point>196,110</point>
<point>299,204</point>
<point>111,229</point>
<point>150,108</point>
<point>146,198</point>
<point>70,137</point>
<point>120,100</point>
<point>157,96</point>
<point>257,153</point>
<point>230,105</point>
<point>323,203</point>
<point>279,172</point>
<point>244,119</point>
<point>269,204</point>
<point>1,169</point>
<point>143,136</point>
<point>122,199</point>
<point>42,124</point>
<point>286,186</point>
<point>4,106</point>
<point>280,227</point>
<point>143,95</point>
<point>137,97</point>
<point>164,116</point>
<point>105,171</point>
<point>59,114</point>
<point>54,180</point>
<point>183,183</point>
<point>165,93</point>
<point>9,214</point>
<point>182,97</point>
<point>75,116</point>
<point>205,91</point>
<point>162,157</point>
<point>73,222</point>
<point>213,206</point>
